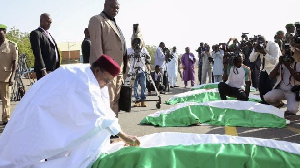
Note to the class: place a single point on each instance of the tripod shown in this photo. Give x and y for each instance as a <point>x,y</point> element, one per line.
<point>18,88</point>
<point>135,68</point>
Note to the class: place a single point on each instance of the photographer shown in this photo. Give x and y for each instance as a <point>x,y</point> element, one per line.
<point>157,78</point>
<point>245,48</point>
<point>234,46</point>
<point>278,38</point>
<point>295,47</point>
<point>200,50</point>
<point>160,57</point>
<point>237,75</point>
<point>269,53</point>
<point>206,66</point>
<point>139,58</point>
<point>287,85</point>
<point>295,43</point>
<point>217,56</point>
<point>290,30</point>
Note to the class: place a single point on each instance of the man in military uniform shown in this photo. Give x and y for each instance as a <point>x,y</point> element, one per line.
<point>8,65</point>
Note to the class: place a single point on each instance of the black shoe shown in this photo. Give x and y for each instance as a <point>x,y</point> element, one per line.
<point>171,86</point>
<point>176,86</point>
<point>264,102</point>
<point>4,122</point>
<point>287,113</point>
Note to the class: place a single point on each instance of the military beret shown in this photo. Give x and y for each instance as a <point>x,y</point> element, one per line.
<point>2,26</point>
<point>108,64</point>
<point>289,25</point>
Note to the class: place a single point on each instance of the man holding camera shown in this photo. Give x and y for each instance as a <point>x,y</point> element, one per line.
<point>206,66</point>
<point>290,30</point>
<point>200,50</point>
<point>278,38</point>
<point>269,52</point>
<point>217,56</point>
<point>237,75</point>
<point>287,72</point>
<point>160,57</point>
<point>139,58</point>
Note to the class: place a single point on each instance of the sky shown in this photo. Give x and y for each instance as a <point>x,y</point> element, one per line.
<point>180,23</point>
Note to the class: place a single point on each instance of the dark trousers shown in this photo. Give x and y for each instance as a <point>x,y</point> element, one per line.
<point>200,72</point>
<point>226,90</point>
<point>265,85</point>
<point>150,87</point>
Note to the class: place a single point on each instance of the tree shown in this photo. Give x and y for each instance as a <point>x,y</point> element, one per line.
<point>23,42</point>
<point>151,50</point>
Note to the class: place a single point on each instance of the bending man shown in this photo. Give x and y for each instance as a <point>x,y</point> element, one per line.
<point>64,118</point>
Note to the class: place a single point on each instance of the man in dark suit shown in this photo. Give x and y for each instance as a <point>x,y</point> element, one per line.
<point>44,48</point>
<point>86,46</point>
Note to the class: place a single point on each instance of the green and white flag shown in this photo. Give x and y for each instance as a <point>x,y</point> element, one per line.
<point>213,86</point>
<point>219,113</point>
<point>186,150</point>
<point>203,95</point>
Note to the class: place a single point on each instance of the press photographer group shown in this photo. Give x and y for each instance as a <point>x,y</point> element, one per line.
<point>272,67</point>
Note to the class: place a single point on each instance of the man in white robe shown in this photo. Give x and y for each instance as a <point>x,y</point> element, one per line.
<point>172,68</point>
<point>64,118</point>
<point>160,58</point>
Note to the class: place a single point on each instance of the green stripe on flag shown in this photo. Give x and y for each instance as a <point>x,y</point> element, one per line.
<point>200,155</point>
<point>214,86</point>
<point>201,97</point>
<point>194,114</point>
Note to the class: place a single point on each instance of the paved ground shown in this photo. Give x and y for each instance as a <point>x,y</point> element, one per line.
<point>130,123</point>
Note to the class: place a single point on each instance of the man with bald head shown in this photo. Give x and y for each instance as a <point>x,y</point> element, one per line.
<point>107,38</point>
<point>44,48</point>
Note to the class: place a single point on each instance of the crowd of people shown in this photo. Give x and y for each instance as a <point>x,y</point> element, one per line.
<point>235,65</point>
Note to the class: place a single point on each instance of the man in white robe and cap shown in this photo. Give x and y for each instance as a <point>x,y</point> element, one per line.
<point>172,68</point>
<point>64,120</point>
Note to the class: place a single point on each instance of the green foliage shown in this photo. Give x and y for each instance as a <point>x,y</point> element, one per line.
<point>23,42</point>
<point>151,50</point>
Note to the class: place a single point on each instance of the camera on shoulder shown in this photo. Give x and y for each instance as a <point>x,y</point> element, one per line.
<point>297,33</point>
<point>229,57</point>
<point>288,55</point>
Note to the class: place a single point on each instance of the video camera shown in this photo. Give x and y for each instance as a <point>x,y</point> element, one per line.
<point>258,45</point>
<point>288,55</point>
<point>297,32</point>
<point>244,35</point>
<point>168,54</point>
<point>136,46</point>
<point>201,48</point>
<point>222,46</point>
<point>229,57</point>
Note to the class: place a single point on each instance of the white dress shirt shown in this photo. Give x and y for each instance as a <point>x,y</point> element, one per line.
<point>271,58</point>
